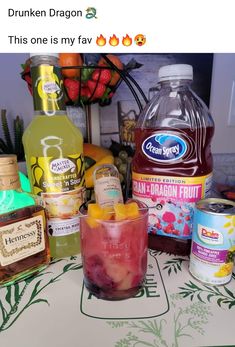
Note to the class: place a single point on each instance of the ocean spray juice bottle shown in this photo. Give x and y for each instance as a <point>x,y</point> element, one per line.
<point>172,165</point>
<point>54,156</point>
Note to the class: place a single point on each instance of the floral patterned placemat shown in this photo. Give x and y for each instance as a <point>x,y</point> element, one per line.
<point>172,310</point>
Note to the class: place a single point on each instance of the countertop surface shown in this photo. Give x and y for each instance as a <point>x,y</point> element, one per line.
<point>53,309</point>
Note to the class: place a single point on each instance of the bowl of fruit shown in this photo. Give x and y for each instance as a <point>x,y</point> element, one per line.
<point>86,82</point>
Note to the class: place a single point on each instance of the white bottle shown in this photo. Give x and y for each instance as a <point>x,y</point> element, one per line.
<point>107,186</point>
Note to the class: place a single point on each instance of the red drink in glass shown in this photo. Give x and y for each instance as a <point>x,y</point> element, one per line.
<point>114,254</point>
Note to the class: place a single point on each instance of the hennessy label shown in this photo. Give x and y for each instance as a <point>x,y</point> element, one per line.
<point>21,240</point>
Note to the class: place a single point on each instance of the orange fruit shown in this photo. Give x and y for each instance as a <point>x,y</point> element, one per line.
<point>70,59</point>
<point>117,62</point>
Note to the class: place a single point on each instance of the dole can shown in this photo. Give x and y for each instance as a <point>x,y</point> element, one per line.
<point>213,241</point>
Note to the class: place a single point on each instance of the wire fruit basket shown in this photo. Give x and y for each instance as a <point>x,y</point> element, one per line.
<point>94,83</point>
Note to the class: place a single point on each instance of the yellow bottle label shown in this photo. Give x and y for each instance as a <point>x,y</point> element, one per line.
<point>56,175</point>
<point>21,240</point>
<point>61,184</point>
<point>47,88</point>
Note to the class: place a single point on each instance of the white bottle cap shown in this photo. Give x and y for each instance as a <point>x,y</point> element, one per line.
<point>50,54</point>
<point>175,72</point>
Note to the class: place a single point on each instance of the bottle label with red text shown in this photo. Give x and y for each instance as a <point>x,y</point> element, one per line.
<point>171,200</point>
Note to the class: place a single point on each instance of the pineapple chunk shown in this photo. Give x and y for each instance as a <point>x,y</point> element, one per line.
<point>128,211</point>
<point>95,211</point>
<point>107,213</point>
<point>120,211</point>
<point>117,272</point>
<point>132,210</point>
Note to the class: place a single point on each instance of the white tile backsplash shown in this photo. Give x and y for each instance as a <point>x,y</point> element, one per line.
<point>224,168</point>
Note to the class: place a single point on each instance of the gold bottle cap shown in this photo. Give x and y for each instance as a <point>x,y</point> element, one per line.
<point>9,177</point>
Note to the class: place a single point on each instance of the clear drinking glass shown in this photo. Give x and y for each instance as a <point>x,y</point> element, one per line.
<point>114,254</point>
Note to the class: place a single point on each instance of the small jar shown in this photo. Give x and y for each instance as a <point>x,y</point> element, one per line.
<point>24,245</point>
<point>107,185</point>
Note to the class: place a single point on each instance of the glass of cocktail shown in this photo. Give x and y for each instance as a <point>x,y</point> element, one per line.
<point>114,249</point>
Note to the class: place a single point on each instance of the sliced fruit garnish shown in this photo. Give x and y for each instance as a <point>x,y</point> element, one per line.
<point>120,211</point>
<point>126,211</point>
<point>132,210</point>
<point>116,271</point>
<point>126,283</point>
<point>95,211</point>
<point>107,213</point>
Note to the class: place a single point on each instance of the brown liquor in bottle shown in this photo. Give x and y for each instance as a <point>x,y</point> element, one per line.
<point>24,245</point>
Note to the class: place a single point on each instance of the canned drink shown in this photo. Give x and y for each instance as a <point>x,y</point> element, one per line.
<point>213,241</point>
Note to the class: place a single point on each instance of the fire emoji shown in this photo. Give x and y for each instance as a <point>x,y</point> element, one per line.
<point>114,41</point>
<point>127,40</point>
<point>101,41</point>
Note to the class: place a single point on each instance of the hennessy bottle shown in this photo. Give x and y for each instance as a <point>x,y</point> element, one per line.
<point>24,245</point>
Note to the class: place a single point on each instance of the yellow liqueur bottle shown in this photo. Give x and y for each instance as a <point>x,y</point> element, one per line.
<point>24,245</point>
<point>54,156</point>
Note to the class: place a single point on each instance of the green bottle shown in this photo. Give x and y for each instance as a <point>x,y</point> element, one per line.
<point>24,246</point>
<point>54,156</point>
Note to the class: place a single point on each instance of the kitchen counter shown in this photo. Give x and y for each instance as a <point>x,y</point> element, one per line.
<point>172,310</point>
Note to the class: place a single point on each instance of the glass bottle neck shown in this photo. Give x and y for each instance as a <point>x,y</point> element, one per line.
<point>47,83</point>
<point>14,199</point>
<point>44,60</point>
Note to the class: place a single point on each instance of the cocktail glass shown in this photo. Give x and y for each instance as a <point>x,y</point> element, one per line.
<point>114,254</point>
